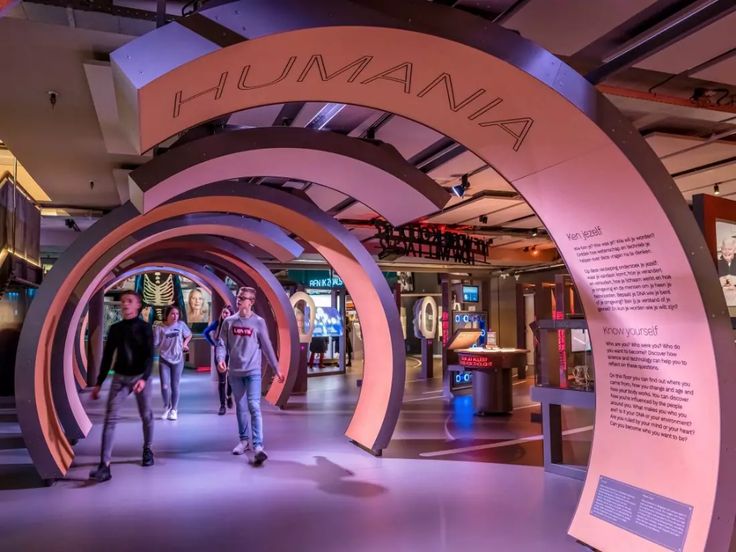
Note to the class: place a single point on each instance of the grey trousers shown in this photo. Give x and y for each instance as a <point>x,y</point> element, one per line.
<point>121,387</point>
<point>170,375</point>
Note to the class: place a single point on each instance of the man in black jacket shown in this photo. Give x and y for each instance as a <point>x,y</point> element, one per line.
<point>132,340</point>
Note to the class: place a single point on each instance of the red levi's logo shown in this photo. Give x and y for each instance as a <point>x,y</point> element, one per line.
<point>237,330</point>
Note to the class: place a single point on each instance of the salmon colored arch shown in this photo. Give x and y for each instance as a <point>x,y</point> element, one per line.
<point>373,421</point>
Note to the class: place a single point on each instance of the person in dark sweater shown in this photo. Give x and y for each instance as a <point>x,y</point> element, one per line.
<point>222,380</point>
<point>130,341</point>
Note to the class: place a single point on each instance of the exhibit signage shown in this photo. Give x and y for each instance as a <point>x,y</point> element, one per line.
<point>653,393</point>
<point>474,361</point>
<point>430,241</point>
<point>324,279</point>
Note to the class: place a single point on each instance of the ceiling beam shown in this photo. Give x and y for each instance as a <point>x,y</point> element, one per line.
<point>671,30</point>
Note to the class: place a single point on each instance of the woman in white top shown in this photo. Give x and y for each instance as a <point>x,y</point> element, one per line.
<point>172,339</point>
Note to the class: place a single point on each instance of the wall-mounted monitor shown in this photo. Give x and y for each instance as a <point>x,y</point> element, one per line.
<point>471,294</point>
<point>579,341</point>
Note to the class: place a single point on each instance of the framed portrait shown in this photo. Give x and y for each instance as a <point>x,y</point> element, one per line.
<point>717,219</point>
<point>197,303</point>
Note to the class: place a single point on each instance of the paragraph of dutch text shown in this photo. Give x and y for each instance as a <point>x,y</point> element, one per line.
<point>652,405</point>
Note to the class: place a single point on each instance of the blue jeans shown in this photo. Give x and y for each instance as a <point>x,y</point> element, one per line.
<point>248,389</point>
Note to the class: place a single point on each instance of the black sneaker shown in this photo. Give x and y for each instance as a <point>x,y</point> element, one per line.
<point>229,402</point>
<point>101,473</point>
<point>260,457</point>
<point>147,457</point>
<point>222,410</point>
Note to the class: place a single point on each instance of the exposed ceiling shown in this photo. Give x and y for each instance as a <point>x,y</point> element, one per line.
<point>669,65</point>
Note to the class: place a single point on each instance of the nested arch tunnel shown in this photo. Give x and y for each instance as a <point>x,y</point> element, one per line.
<point>339,248</point>
<point>273,304</point>
<point>69,409</point>
<point>192,272</point>
<point>189,259</point>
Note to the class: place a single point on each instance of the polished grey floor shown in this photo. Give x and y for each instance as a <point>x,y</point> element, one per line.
<point>449,481</point>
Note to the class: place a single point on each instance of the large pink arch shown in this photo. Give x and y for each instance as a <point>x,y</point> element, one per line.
<point>560,143</point>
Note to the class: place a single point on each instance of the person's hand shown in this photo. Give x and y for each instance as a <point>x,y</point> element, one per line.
<point>95,392</point>
<point>185,348</point>
<point>222,367</point>
<point>280,377</point>
<point>139,386</point>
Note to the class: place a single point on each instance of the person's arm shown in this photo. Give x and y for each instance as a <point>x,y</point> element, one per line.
<point>157,337</point>
<point>222,345</point>
<point>267,348</point>
<point>187,333</point>
<point>148,351</point>
<point>209,330</point>
<point>110,345</point>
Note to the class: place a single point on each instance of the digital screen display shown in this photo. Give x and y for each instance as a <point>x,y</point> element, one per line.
<point>327,322</point>
<point>726,264</point>
<point>470,294</point>
<point>579,341</point>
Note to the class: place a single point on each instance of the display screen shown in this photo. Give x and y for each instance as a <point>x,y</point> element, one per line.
<point>327,322</point>
<point>579,341</point>
<point>470,294</point>
<point>726,264</point>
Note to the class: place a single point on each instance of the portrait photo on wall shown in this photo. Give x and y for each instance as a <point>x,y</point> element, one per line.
<point>726,248</point>
<point>716,217</point>
<point>197,303</point>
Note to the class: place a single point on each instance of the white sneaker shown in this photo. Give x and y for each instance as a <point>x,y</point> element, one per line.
<point>241,447</point>
<point>165,415</point>
<point>172,415</point>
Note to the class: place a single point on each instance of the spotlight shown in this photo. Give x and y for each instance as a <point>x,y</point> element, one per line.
<point>716,189</point>
<point>72,225</point>
<point>483,219</point>
<point>535,233</point>
<point>459,189</point>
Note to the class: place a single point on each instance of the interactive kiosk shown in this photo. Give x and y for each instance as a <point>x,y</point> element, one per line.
<point>425,328</point>
<point>492,370</point>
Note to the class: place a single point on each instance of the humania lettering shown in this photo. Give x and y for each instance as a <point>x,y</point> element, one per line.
<point>475,105</point>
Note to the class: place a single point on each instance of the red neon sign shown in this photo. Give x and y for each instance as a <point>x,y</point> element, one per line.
<point>474,361</point>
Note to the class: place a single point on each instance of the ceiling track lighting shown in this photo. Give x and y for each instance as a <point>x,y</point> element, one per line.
<point>459,189</point>
<point>716,189</point>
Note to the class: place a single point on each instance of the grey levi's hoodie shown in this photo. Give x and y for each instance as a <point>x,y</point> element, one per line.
<point>243,338</point>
